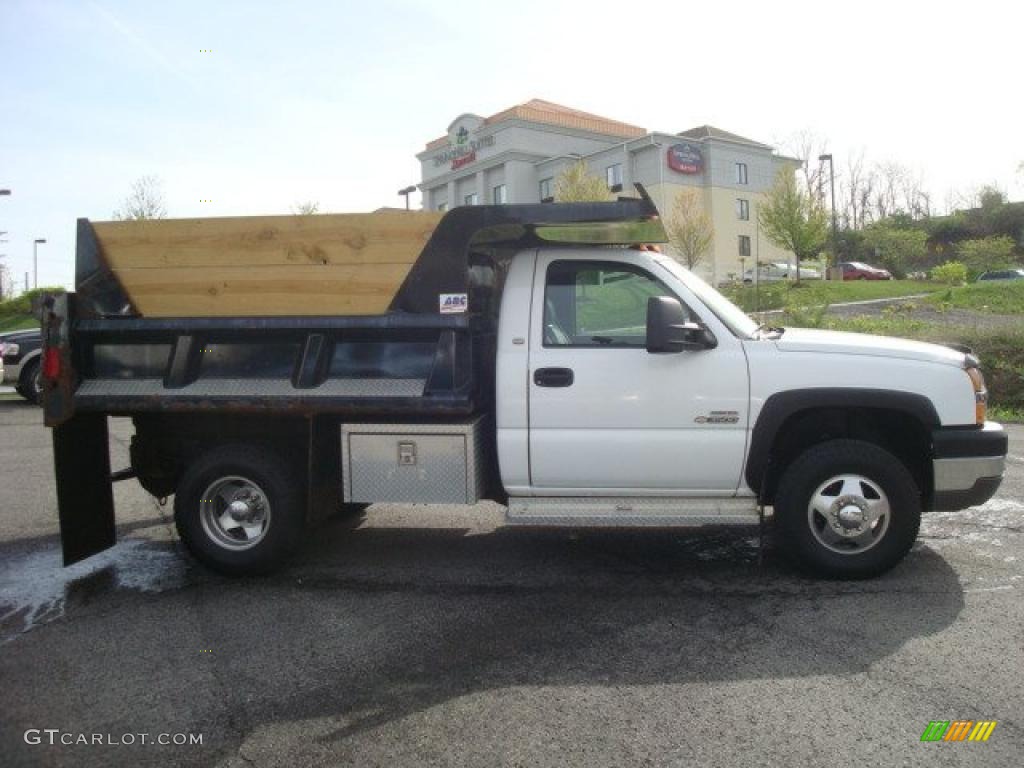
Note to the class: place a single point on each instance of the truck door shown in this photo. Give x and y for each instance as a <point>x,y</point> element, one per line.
<point>608,418</point>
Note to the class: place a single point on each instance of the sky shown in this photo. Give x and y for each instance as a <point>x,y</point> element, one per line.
<point>258,106</point>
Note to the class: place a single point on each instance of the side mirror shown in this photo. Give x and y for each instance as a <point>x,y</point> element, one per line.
<point>668,331</point>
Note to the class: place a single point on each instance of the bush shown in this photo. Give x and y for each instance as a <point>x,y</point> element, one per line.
<point>22,305</point>
<point>951,273</point>
<point>804,315</point>
<point>1002,358</point>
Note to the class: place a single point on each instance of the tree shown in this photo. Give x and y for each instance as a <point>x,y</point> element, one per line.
<point>792,219</point>
<point>808,147</point>
<point>898,249</point>
<point>856,188</point>
<point>985,253</point>
<point>6,282</point>
<point>307,208</point>
<point>145,201</point>
<point>689,228</point>
<point>576,184</point>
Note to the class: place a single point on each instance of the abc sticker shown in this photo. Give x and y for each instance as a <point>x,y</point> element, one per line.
<point>452,303</point>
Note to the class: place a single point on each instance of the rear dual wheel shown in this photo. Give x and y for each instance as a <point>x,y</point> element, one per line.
<point>238,510</point>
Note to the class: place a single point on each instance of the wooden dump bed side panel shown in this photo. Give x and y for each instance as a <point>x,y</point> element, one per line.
<point>331,264</point>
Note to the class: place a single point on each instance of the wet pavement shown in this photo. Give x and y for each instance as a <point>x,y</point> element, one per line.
<point>432,636</point>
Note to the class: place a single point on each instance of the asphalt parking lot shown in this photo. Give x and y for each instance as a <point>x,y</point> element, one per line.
<point>421,636</point>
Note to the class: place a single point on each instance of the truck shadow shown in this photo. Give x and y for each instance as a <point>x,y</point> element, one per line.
<point>378,621</point>
<point>454,614</point>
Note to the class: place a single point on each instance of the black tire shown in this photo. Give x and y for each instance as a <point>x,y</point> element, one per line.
<point>29,383</point>
<point>278,501</point>
<point>801,531</point>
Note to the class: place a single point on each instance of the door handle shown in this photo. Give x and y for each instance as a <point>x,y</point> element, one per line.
<point>553,377</point>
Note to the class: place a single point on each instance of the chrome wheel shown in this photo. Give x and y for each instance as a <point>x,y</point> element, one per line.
<point>235,513</point>
<point>848,514</point>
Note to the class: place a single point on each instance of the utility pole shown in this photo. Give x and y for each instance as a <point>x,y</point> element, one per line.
<point>3,267</point>
<point>835,223</point>
<point>35,260</point>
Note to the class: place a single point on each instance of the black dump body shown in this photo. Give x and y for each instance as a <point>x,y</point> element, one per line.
<point>411,361</point>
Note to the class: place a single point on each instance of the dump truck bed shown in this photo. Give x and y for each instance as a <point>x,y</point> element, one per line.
<point>331,264</point>
<point>384,314</point>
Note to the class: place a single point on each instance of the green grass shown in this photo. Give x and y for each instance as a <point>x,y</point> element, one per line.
<point>818,292</point>
<point>1006,415</point>
<point>17,323</point>
<point>998,298</point>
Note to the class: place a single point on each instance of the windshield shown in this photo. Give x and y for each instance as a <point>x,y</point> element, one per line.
<point>735,318</point>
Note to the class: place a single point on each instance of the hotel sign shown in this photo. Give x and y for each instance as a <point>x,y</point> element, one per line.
<point>685,158</point>
<point>462,151</point>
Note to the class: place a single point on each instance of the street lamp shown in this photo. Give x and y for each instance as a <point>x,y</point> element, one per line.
<point>35,260</point>
<point>835,225</point>
<point>405,193</point>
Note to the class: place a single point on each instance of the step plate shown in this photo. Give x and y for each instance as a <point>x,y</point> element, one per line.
<point>630,512</point>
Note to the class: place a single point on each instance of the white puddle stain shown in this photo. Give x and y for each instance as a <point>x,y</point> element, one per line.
<point>34,586</point>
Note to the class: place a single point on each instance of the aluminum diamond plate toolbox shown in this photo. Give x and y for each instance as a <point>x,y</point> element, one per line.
<point>412,463</point>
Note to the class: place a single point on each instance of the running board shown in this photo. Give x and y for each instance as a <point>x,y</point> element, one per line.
<point>630,512</point>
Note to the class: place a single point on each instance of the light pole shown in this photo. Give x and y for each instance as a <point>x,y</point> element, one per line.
<point>835,225</point>
<point>405,193</point>
<point>35,260</point>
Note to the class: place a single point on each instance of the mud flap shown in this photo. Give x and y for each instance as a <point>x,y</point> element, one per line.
<point>85,497</point>
<point>324,469</point>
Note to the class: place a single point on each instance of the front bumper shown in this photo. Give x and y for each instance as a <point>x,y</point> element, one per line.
<point>11,372</point>
<point>968,465</point>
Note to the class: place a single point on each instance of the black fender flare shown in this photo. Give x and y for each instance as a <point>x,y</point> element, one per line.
<point>25,360</point>
<point>782,405</point>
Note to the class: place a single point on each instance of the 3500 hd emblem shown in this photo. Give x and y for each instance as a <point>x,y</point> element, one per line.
<point>719,417</point>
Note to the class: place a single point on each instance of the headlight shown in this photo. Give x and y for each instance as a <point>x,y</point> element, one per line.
<point>980,394</point>
<point>8,348</point>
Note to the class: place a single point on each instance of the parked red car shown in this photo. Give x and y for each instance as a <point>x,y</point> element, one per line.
<point>856,270</point>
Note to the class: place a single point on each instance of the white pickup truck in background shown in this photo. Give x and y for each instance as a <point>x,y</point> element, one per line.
<point>580,385</point>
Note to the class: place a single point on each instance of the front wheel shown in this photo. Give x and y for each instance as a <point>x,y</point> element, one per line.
<point>30,385</point>
<point>238,511</point>
<point>847,509</point>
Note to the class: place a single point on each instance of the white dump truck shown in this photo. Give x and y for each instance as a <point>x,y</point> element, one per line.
<point>543,356</point>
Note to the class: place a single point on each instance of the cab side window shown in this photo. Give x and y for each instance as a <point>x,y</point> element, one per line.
<point>597,304</point>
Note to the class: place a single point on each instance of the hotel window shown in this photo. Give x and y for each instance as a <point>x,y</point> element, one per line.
<point>613,174</point>
<point>472,198</point>
<point>547,190</point>
<point>743,209</point>
<point>500,195</point>
<point>744,246</point>
<point>741,173</point>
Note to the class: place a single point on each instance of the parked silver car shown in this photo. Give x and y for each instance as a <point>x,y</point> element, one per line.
<point>1001,275</point>
<point>779,270</point>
